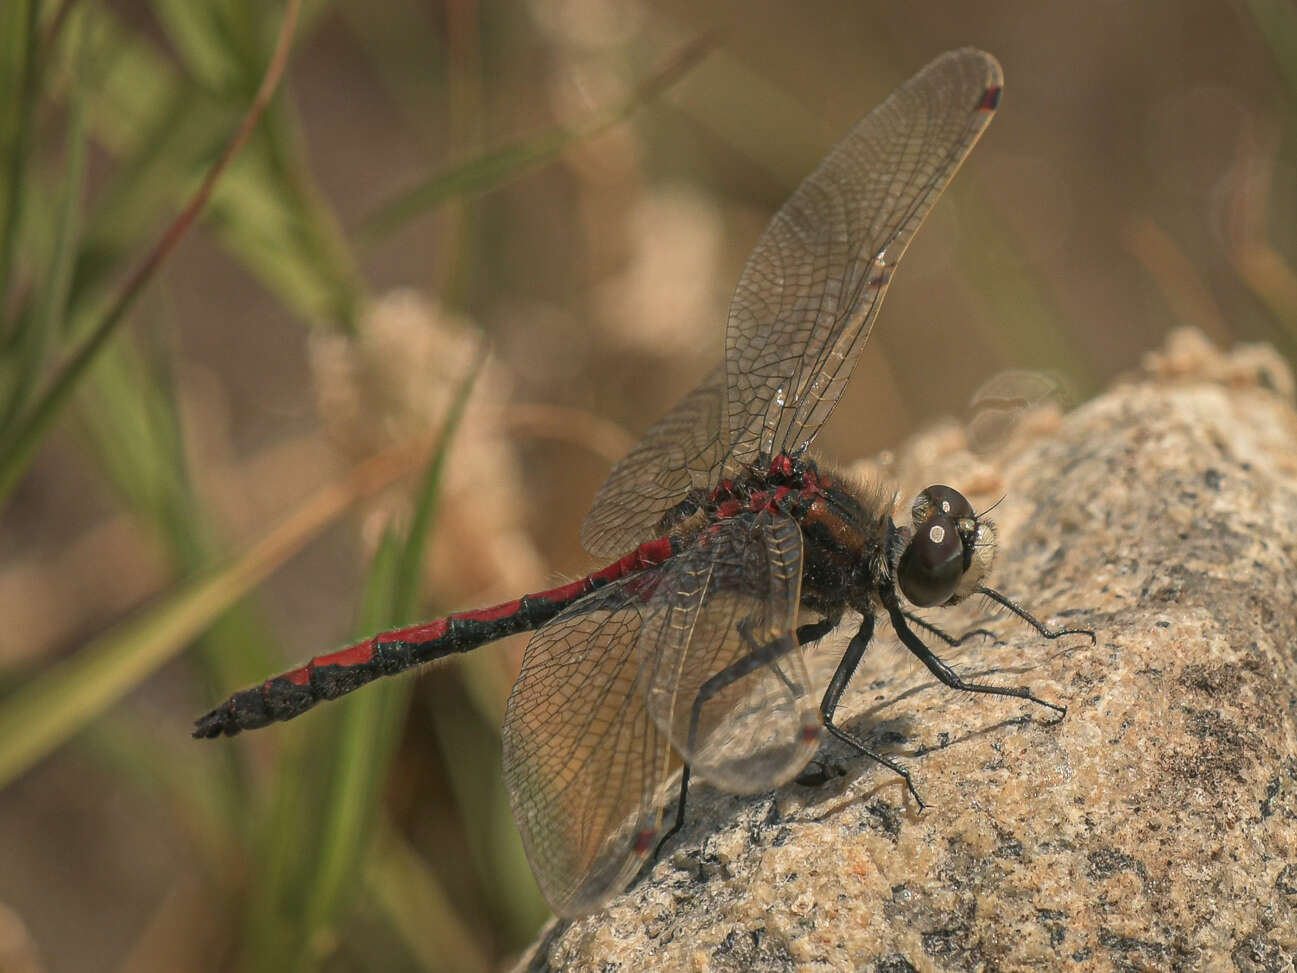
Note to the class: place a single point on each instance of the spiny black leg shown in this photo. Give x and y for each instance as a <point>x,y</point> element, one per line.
<point>813,632</point>
<point>846,668</point>
<point>761,654</point>
<point>950,640</point>
<point>833,695</point>
<point>680,816</point>
<point>805,634</point>
<point>942,671</point>
<point>651,860</point>
<point>1030,619</point>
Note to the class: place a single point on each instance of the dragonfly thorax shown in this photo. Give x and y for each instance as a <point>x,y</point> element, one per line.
<point>852,547</point>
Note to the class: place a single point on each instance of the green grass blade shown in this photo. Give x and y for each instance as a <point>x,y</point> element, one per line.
<point>371,721</point>
<point>132,419</point>
<point>32,342</point>
<point>40,716</point>
<point>494,169</point>
<point>337,762</point>
<point>346,768</point>
<point>203,34</point>
<point>1276,22</point>
<point>128,750</point>
<point>269,213</point>
<point>20,21</point>
<point>418,907</point>
<point>266,208</point>
<point>405,596</point>
<point>19,450</point>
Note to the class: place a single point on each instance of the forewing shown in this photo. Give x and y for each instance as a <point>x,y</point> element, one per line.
<point>806,300</point>
<point>722,623</point>
<point>681,452</point>
<point>584,764</point>
<point>608,687</point>
<point>814,283</point>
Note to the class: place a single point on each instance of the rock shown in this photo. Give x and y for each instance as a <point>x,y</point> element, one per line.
<point>1154,827</point>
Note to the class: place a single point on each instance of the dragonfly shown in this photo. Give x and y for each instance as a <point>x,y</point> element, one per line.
<point>729,551</point>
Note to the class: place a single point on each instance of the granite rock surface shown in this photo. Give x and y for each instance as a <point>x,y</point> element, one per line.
<point>1154,827</point>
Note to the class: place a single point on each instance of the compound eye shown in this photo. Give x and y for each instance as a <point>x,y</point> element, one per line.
<point>932,565</point>
<point>941,499</point>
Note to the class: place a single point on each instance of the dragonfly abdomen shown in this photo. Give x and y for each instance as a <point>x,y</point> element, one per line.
<point>329,676</point>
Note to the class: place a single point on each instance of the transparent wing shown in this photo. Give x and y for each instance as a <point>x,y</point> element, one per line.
<point>807,298</point>
<point>584,764</point>
<point>725,678</point>
<point>681,452</point>
<point>814,283</point>
<point>608,687</point>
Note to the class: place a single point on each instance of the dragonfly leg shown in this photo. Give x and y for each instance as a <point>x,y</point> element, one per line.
<point>762,654</point>
<point>1030,619</point>
<point>948,675</point>
<point>680,815</point>
<point>833,695</point>
<point>951,640</point>
<point>745,664</point>
<point>806,634</point>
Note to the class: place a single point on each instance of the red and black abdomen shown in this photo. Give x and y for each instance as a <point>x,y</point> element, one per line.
<point>292,693</point>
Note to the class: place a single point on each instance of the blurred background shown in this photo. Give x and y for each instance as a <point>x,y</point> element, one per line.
<point>240,477</point>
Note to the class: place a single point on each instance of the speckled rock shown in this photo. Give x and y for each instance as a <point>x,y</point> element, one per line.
<point>1155,827</point>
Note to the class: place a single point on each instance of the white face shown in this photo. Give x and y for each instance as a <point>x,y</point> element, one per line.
<point>983,559</point>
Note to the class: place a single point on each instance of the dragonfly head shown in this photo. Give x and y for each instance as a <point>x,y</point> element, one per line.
<point>950,549</point>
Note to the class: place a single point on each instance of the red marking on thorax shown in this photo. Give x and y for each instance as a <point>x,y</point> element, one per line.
<point>782,465</point>
<point>803,482</point>
<point>722,490</point>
